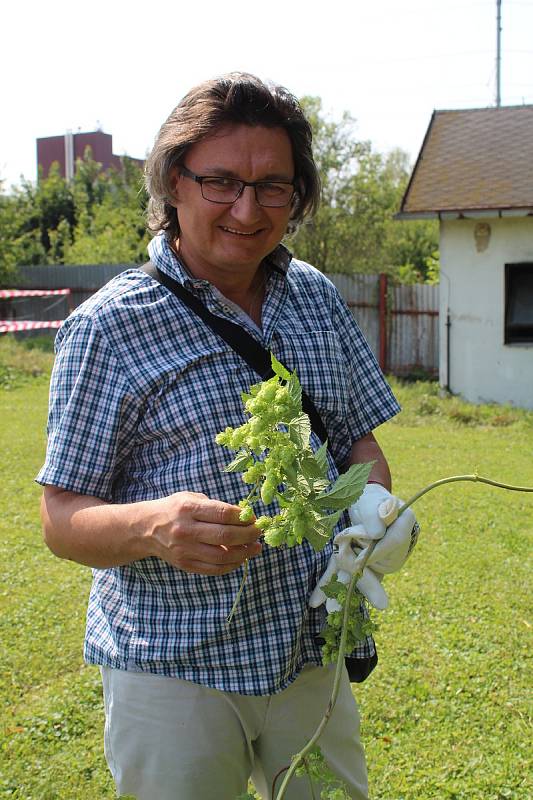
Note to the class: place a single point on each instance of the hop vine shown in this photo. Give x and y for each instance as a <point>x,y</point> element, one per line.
<point>279,465</point>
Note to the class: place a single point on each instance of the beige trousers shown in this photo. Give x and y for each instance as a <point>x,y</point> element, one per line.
<point>169,739</point>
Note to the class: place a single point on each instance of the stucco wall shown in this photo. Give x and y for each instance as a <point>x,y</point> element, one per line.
<point>481,367</point>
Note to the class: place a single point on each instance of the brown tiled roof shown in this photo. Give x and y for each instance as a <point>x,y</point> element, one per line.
<point>474,160</point>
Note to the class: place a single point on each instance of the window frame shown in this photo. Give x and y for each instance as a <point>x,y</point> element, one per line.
<point>516,333</point>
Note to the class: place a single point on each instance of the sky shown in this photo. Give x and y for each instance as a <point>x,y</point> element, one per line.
<point>123,66</point>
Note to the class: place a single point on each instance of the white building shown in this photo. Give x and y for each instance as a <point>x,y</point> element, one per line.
<point>475,173</point>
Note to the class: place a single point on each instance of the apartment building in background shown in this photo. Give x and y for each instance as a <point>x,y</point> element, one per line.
<point>66,149</point>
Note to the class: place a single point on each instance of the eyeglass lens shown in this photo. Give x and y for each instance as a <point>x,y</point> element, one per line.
<point>267,193</point>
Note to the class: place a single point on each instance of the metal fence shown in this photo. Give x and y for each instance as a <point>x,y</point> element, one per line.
<point>400,323</point>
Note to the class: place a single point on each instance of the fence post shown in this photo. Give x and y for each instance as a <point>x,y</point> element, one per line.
<point>382,306</point>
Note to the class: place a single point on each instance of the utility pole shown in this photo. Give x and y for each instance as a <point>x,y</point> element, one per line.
<point>498,51</point>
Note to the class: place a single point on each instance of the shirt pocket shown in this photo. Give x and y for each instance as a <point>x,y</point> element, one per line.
<point>198,390</point>
<point>318,360</point>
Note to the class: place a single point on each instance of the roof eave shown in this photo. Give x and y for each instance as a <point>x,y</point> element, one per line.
<point>416,215</point>
<point>465,213</point>
<point>417,163</point>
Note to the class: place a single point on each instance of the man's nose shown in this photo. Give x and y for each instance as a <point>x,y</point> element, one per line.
<point>246,208</point>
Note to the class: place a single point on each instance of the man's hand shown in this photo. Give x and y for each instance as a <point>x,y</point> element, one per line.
<point>196,534</point>
<point>350,545</point>
<point>391,552</point>
<point>344,562</point>
<point>373,510</point>
<point>187,530</point>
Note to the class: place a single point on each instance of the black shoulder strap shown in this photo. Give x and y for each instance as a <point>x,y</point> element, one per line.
<point>238,339</point>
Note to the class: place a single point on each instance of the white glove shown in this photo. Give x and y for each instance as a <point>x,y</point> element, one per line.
<point>392,551</point>
<point>350,545</point>
<point>343,563</point>
<point>375,510</point>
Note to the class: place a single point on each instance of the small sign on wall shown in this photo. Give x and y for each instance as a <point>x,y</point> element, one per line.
<point>482,232</point>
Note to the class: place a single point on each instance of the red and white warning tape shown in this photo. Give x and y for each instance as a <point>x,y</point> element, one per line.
<point>11,326</point>
<point>6,293</point>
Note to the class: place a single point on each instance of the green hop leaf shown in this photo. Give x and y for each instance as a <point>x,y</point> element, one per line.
<point>347,488</point>
<point>311,468</point>
<point>335,588</point>
<point>322,458</point>
<point>279,369</point>
<point>294,391</point>
<point>241,462</point>
<point>300,431</point>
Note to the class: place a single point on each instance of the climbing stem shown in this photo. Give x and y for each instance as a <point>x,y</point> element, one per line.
<point>299,757</point>
<point>239,593</point>
<point>454,478</point>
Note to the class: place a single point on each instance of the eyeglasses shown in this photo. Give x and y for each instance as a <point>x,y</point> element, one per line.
<point>271,194</point>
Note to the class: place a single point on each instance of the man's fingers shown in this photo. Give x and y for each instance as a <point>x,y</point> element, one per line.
<point>220,554</point>
<point>203,509</point>
<point>229,555</point>
<point>189,529</point>
<point>204,568</point>
<point>215,560</point>
<point>225,535</point>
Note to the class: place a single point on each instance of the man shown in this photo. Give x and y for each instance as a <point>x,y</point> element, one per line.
<point>134,482</point>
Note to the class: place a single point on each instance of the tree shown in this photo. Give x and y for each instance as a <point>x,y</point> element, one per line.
<point>98,217</point>
<point>20,232</point>
<point>354,230</point>
<point>8,258</point>
<point>413,248</point>
<point>109,208</point>
<point>29,217</point>
<point>113,235</point>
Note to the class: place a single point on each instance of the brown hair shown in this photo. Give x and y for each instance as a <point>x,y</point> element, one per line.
<point>236,98</point>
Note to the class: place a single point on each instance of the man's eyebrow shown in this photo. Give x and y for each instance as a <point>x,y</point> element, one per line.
<point>220,172</point>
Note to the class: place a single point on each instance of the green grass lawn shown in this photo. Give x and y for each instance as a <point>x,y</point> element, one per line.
<point>446,715</point>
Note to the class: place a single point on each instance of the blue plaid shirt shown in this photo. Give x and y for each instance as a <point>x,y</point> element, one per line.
<point>139,390</point>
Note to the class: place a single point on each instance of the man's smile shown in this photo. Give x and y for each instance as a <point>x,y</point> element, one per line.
<point>240,233</point>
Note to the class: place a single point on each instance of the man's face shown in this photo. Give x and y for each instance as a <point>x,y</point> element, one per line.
<point>218,241</point>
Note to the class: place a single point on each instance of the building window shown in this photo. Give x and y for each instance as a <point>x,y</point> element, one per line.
<point>518,303</point>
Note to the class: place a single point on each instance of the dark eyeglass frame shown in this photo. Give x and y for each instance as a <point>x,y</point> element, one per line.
<point>201,178</point>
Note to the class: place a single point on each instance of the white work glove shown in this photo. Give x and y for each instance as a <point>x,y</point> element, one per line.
<point>350,545</point>
<point>375,510</point>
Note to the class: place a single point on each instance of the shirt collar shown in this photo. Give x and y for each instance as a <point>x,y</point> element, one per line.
<point>280,258</point>
<point>165,259</point>
<point>163,256</point>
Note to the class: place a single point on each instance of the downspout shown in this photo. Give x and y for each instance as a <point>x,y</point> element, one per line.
<point>445,284</point>
<point>448,326</point>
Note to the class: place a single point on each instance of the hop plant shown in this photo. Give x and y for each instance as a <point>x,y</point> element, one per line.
<point>359,623</point>
<point>315,766</point>
<point>277,462</point>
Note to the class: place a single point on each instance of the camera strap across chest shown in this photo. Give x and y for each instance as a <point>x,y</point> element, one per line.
<point>240,341</point>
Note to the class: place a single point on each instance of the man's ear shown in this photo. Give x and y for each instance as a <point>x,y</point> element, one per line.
<point>174,175</point>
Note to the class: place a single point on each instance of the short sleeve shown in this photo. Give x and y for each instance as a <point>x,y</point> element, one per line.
<point>93,413</point>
